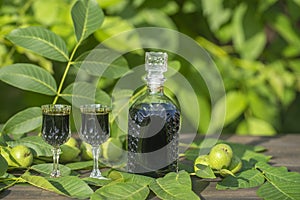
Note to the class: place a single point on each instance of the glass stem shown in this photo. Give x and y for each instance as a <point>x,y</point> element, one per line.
<point>96,152</point>
<point>56,152</point>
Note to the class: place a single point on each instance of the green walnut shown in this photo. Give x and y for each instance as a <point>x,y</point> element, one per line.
<point>203,160</point>
<point>21,156</point>
<point>220,156</point>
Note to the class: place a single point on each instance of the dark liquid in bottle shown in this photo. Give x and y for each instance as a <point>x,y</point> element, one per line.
<point>94,128</point>
<point>56,129</point>
<point>153,139</point>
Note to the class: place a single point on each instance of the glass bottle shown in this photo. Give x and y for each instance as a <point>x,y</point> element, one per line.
<point>153,124</point>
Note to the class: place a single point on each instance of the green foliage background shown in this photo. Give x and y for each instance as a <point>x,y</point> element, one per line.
<point>255,44</point>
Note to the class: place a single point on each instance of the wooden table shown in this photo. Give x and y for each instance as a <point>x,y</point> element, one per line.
<point>284,148</point>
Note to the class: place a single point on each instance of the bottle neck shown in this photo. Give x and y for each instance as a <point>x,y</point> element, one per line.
<point>155,89</point>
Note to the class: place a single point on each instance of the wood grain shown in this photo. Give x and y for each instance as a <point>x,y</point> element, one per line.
<point>284,148</point>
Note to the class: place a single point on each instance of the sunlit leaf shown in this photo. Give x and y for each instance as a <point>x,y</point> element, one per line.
<point>47,168</point>
<point>40,182</point>
<point>255,126</point>
<point>108,3</point>
<point>279,174</point>
<point>150,16</point>
<point>24,121</point>
<point>102,62</point>
<point>46,12</point>
<point>80,165</point>
<point>71,186</point>
<point>174,186</point>
<point>80,93</point>
<point>87,18</point>
<point>130,178</point>
<point>248,32</point>
<point>119,190</point>
<point>236,103</point>
<point>41,41</point>
<point>281,184</point>
<point>113,26</point>
<point>279,190</point>
<point>29,77</point>
<point>216,13</point>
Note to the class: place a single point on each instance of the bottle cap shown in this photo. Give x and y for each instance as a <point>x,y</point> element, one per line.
<point>156,65</point>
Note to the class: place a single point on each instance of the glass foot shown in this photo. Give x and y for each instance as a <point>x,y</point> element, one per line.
<point>55,174</point>
<point>97,174</point>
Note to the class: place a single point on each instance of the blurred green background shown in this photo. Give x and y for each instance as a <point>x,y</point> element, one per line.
<point>254,43</point>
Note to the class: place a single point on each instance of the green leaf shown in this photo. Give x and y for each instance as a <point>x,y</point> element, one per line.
<point>41,41</point>
<point>3,165</point>
<point>247,152</point>
<point>80,93</point>
<point>114,25</point>
<point>216,13</point>
<point>226,172</point>
<point>236,103</point>
<point>278,191</point>
<point>264,5</point>
<point>121,98</point>
<point>71,186</point>
<point>29,77</point>
<point>80,165</point>
<point>23,122</point>
<point>102,62</point>
<point>46,12</point>
<point>36,143</point>
<point>40,182</point>
<point>47,168</point>
<point>149,17</point>
<point>174,186</point>
<point>258,103</point>
<point>280,184</point>
<point>285,28</point>
<point>108,3</point>
<point>87,17</point>
<point>278,174</point>
<point>130,178</point>
<point>249,37</point>
<point>96,182</point>
<point>121,190</point>
<point>246,179</point>
<point>205,171</point>
<point>2,138</point>
<point>255,126</point>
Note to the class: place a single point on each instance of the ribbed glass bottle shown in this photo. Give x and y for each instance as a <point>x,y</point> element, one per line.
<point>153,124</point>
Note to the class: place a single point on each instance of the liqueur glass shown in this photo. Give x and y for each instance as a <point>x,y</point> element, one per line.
<point>56,130</point>
<point>95,131</point>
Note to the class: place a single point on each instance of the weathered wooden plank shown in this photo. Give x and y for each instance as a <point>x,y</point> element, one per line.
<point>285,150</point>
<point>18,192</point>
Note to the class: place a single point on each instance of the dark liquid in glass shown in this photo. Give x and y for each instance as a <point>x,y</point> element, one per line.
<point>56,129</point>
<point>94,128</point>
<point>155,132</point>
